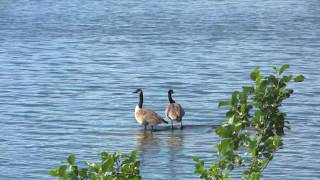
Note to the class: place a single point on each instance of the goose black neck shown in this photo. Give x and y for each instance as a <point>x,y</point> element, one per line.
<point>140,99</point>
<point>170,98</point>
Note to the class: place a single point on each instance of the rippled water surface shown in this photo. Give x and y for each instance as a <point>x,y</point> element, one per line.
<point>68,69</point>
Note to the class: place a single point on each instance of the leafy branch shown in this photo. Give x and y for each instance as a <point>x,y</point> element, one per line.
<point>113,166</point>
<point>253,130</point>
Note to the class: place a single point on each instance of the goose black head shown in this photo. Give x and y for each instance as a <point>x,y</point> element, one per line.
<point>171,91</point>
<point>137,91</point>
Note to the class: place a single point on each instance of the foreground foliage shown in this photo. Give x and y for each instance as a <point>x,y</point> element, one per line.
<point>253,130</point>
<point>113,166</point>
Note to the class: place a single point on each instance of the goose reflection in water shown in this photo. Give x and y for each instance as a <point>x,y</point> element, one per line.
<point>148,141</point>
<point>175,145</point>
<point>148,144</point>
<point>164,144</point>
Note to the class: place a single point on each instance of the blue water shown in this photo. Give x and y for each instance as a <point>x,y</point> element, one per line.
<point>68,69</point>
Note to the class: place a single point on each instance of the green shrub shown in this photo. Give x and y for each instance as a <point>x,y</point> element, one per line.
<point>253,130</point>
<point>113,166</point>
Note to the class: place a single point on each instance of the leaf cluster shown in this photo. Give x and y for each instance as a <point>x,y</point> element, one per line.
<point>113,166</point>
<point>253,129</point>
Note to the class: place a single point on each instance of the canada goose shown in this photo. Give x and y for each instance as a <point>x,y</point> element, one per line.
<point>146,117</point>
<point>174,110</point>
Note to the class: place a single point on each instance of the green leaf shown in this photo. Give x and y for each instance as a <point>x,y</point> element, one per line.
<point>63,171</point>
<point>74,171</point>
<point>277,141</point>
<point>95,167</point>
<point>253,147</point>
<point>224,146</point>
<point>248,89</point>
<point>136,178</point>
<point>243,108</point>
<point>107,165</point>
<point>275,70</point>
<point>199,168</point>
<point>83,172</point>
<point>257,118</point>
<point>283,68</point>
<point>255,74</point>
<point>104,155</point>
<point>230,113</point>
<point>116,155</point>
<point>237,160</point>
<point>243,98</point>
<point>196,159</point>
<point>71,159</point>
<point>245,139</point>
<point>224,103</point>
<point>133,156</point>
<point>54,172</point>
<point>225,131</point>
<point>234,99</point>
<point>255,176</point>
<point>299,78</point>
<point>273,80</point>
<point>287,78</point>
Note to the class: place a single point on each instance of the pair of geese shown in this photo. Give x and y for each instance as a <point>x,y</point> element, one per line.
<point>148,117</point>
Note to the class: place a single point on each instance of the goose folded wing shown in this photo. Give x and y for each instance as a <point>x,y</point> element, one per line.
<point>152,116</point>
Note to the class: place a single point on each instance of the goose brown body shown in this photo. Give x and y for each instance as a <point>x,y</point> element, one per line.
<point>146,117</point>
<point>174,111</point>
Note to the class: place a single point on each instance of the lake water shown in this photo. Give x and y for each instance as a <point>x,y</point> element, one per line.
<point>68,70</point>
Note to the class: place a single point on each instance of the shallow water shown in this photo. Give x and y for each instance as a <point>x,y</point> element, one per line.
<point>68,69</point>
